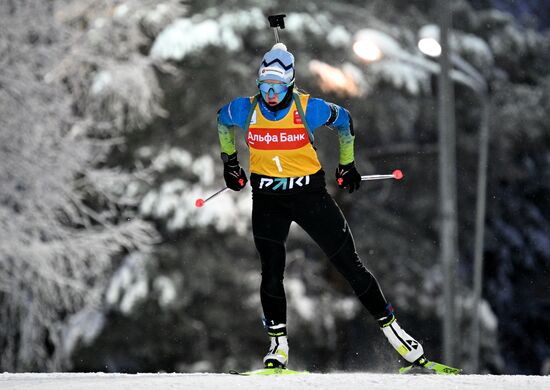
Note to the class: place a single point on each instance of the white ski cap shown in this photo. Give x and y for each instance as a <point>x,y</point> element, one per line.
<point>279,45</point>
<point>277,64</point>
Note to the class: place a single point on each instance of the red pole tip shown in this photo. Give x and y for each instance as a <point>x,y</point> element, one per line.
<point>397,174</point>
<point>199,202</point>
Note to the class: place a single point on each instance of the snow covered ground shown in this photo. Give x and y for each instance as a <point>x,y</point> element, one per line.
<point>72,381</point>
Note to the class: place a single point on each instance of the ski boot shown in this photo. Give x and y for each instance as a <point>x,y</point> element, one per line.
<point>401,341</point>
<point>277,356</point>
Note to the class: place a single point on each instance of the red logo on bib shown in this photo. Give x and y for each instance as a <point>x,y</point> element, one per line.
<point>277,139</point>
<point>297,119</point>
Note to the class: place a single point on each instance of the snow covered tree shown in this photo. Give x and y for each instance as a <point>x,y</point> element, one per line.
<point>62,225</point>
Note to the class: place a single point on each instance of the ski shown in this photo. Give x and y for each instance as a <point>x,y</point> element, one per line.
<point>434,367</point>
<point>269,371</point>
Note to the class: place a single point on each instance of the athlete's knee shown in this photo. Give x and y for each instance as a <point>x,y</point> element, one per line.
<point>346,259</point>
<point>272,255</point>
<point>267,246</point>
<point>272,279</point>
<point>349,264</point>
<point>272,285</point>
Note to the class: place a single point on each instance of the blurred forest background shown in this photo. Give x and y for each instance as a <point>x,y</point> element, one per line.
<point>108,135</point>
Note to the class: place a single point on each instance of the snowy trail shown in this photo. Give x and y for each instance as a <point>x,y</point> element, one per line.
<point>72,381</point>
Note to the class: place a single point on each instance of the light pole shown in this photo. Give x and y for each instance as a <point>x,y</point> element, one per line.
<point>429,45</point>
<point>372,45</point>
<point>447,184</point>
<point>364,47</point>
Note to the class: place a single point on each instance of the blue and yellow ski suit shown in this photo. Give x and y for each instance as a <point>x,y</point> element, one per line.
<point>288,186</point>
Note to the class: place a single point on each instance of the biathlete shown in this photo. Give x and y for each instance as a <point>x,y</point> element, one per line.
<point>288,185</point>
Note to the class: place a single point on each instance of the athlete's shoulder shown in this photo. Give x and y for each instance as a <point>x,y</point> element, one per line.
<point>236,111</point>
<point>317,103</point>
<point>317,112</point>
<point>320,112</point>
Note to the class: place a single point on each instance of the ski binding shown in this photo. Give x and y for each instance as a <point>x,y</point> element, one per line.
<point>434,367</point>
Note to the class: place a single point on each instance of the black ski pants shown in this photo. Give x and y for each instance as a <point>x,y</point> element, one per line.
<point>318,214</point>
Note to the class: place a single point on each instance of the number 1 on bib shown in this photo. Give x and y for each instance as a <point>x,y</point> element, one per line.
<point>278,163</point>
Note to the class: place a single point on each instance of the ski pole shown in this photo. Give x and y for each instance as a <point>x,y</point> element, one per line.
<point>200,202</point>
<point>397,175</point>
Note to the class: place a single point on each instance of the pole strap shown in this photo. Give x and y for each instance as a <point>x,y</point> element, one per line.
<point>303,117</point>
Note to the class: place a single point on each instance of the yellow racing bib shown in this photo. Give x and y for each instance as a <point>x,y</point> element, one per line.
<point>281,148</point>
